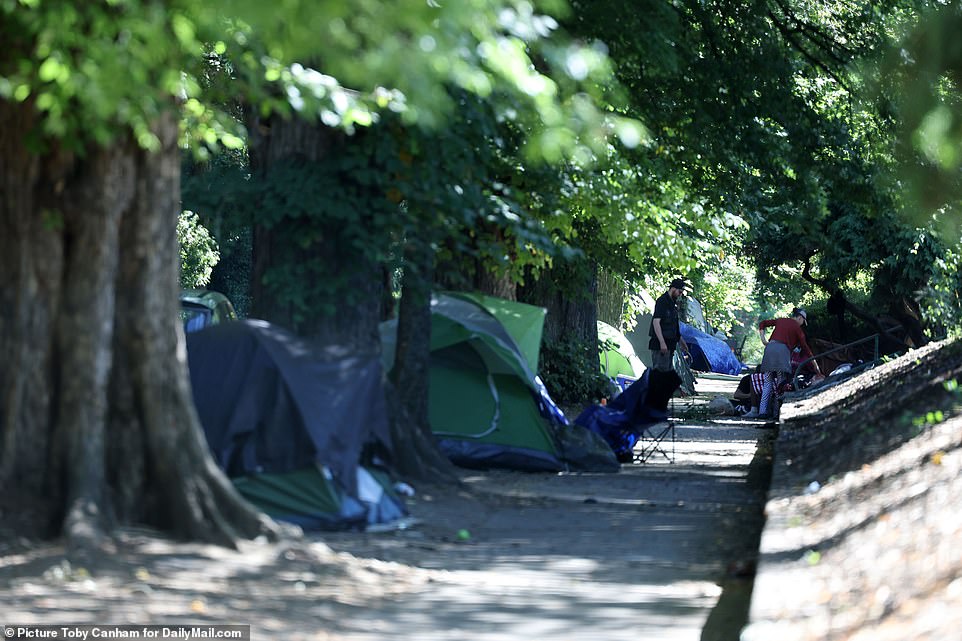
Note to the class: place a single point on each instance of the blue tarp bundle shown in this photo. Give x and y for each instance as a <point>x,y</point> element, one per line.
<point>643,403</point>
<point>709,354</point>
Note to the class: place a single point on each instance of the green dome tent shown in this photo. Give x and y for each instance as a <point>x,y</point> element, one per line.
<point>617,355</point>
<point>487,406</point>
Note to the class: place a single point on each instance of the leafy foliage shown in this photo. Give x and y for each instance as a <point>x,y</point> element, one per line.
<point>570,371</point>
<point>923,74</point>
<point>218,189</point>
<point>198,251</point>
<point>93,70</point>
<point>506,51</point>
<point>99,70</point>
<point>809,162</point>
<point>725,286</point>
<point>942,298</point>
<point>759,136</point>
<point>336,206</point>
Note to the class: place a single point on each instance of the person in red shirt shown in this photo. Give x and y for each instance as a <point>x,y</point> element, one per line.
<point>777,359</point>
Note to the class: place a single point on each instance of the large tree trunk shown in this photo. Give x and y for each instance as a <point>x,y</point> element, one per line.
<point>463,272</point>
<point>346,314</point>
<point>90,278</point>
<point>611,298</point>
<point>339,285</point>
<point>31,267</point>
<point>569,293</point>
<point>500,285</point>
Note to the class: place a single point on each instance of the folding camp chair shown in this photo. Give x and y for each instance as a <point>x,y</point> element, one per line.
<point>653,439</point>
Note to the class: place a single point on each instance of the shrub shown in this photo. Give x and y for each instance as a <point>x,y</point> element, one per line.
<point>570,370</point>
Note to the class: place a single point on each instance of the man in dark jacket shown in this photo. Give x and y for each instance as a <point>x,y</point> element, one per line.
<point>665,329</point>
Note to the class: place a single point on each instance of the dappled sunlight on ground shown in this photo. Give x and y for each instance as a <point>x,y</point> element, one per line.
<point>645,553</point>
<point>318,593</point>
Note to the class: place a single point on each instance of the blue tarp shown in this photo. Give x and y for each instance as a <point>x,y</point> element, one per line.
<point>709,354</point>
<point>643,403</point>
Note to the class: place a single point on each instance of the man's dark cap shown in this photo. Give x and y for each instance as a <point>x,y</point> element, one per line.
<point>679,283</point>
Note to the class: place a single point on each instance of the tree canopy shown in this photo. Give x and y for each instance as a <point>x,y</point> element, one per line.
<point>816,143</point>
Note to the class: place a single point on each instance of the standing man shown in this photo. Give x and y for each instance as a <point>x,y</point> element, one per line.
<point>665,329</point>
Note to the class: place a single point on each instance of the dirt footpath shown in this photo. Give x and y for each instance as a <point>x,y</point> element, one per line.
<point>657,552</point>
<point>661,551</point>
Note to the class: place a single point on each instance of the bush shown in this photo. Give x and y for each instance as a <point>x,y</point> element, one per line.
<point>942,298</point>
<point>233,273</point>
<point>198,251</point>
<point>570,370</point>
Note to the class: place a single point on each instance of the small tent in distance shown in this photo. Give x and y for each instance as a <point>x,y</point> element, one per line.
<point>710,354</point>
<point>617,355</point>
<point>200,308</point>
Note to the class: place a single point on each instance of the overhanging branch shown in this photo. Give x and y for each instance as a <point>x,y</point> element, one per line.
<point>789,36</point>
<point>831,289</point>
<point>823,41</point>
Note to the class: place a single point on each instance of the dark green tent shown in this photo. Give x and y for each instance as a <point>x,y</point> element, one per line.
<point>487,406</point>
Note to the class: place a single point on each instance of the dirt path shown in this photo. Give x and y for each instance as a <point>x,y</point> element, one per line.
<point>658,551</point>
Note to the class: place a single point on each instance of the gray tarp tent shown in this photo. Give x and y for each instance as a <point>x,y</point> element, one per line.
<point>285,418</point>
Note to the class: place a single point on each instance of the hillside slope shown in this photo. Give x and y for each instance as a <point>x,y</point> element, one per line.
<point>864,517</point>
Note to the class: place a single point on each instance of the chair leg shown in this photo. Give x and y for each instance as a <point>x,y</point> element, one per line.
<point>652,440</point>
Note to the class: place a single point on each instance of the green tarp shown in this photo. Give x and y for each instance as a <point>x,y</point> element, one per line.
<point>310,497</point>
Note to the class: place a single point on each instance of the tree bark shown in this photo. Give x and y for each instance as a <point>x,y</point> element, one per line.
<point>611,298</point>
<point>349,314</point>
<point>191,495</point>
<point>474,274</point>
<point>416,452</point>
<point>94,199</point>
<point>500,285</point>
<point>346,315</point>
<point>31,264</point>
<point>273,142</point>
<point>572,309</point>
<point>95,335</point>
